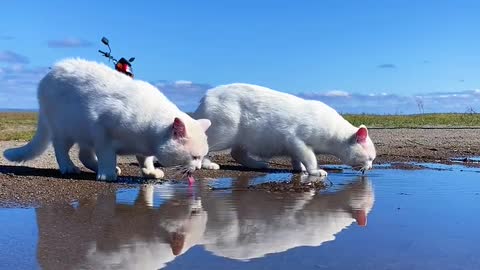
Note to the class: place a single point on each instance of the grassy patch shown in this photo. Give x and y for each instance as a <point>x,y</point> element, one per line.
<point>17,126</point>
<point>411,121</point>
<point>22,126</point>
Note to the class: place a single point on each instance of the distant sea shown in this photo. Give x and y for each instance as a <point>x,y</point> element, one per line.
<point>17,110</point>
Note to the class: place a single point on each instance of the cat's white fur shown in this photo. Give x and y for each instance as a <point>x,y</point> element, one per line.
<point>107,113</point>
<point>257,121</point>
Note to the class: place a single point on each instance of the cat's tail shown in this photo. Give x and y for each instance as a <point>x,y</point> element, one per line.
<point>35,147</point>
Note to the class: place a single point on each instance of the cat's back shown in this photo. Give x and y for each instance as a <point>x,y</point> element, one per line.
<point>84,76</point>
<point>242,92</point>
<point>92,81</point>
<point>262,101</point>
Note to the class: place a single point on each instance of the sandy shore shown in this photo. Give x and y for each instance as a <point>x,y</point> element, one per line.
<point>38,181</point>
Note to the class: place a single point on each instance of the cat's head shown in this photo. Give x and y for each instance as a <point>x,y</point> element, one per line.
<point>360,151</point>
<point>187,144</point>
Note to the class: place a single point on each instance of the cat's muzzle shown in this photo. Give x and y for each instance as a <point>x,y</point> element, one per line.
<point>362,169</point>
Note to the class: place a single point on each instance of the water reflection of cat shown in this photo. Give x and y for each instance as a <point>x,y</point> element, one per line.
<point>264,223</point>
<point>101,234</point>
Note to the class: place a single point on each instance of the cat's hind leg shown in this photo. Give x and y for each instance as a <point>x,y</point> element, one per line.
<point>304,154</point>
<point>241,156</point>
<point>89,159</point>
<point>209,165</point>
<point>65,164</point>
<point>107,161</point>
<point>148,169</point>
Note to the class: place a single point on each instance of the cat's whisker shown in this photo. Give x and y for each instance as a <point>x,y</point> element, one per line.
<point>212,146</point>
<point>179,171</point>
<point>179,167</point>
<point>185,174</point>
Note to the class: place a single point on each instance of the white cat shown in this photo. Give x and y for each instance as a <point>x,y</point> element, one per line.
<point>107,113</point>
<point>257,121</point>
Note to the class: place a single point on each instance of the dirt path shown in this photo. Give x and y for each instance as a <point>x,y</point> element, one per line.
<point>36,181</point>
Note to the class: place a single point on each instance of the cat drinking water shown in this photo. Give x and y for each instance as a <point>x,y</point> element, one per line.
<point>255,121</point>
<point>107,113</point>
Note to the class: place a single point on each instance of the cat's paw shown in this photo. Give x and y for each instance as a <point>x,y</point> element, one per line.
<point>106,177</point>
<point>70,170</point>
<point>211,166</point>
<point>318,172</point>
<point>153,174</point>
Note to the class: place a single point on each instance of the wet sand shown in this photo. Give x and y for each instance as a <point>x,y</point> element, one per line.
<point>39,182</point>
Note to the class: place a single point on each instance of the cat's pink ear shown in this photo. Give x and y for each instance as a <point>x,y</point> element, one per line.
<point>362,134</point>
<point>179,129</point>
<point>361,217</point>
<point>204,123</point>
<point>177,241</point>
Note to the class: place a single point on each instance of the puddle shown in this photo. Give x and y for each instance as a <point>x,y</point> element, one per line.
<point>445,167</point>
<point>278,182</point>
<point>467,159</point>
<point>389,219</point>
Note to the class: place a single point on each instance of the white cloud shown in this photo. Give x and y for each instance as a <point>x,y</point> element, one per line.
<point>337,93</point>
<point>384,103</point>
<point>18,84</point>
<point>387,66</point>
<point>182,82</point>
<point>13,58</point>
<point>185,94</point>
<point>69,43</point>
<point>6,37</point>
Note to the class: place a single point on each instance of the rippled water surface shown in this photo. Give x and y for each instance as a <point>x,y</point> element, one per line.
<point>390,219</point>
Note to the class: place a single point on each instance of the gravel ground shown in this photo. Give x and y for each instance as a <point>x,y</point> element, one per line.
<point>39,182</point>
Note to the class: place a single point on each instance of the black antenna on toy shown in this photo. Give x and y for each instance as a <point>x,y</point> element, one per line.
<point>109,54</point>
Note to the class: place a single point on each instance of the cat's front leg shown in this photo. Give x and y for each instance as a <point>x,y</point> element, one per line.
<point>89,159</point>
<point>107,161</point>
<point>306,156</point>
<point>241,155</point>
<point>209,165</point>
<point>148,169</point>
<point>145,196</point>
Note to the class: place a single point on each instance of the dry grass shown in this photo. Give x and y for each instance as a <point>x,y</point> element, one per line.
<point>17,126</point>
<point>22,126</point>
<point>415,121</point>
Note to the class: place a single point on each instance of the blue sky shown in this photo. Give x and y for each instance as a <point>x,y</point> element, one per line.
<point>350,54</point>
